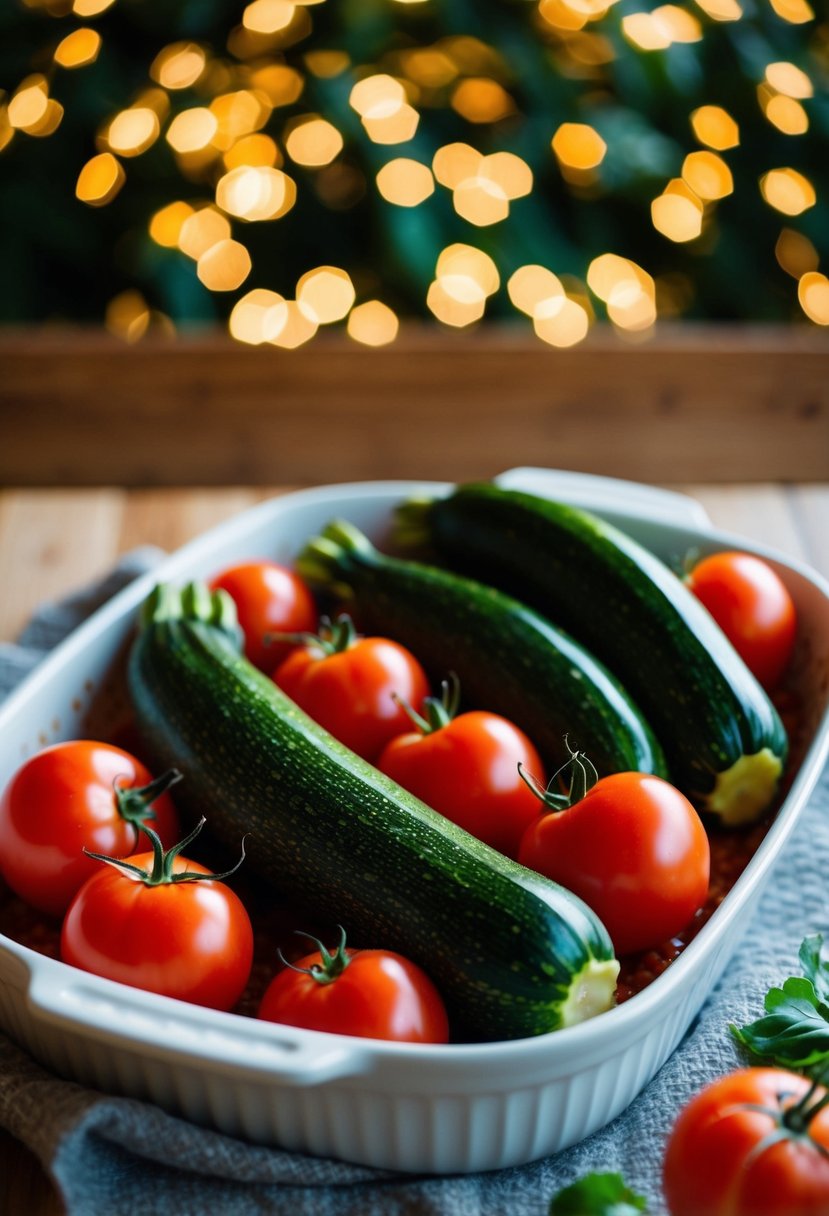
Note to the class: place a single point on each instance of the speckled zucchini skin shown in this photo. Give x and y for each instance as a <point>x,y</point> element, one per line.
<point>508,658</point>
<point>630,610</point>
<point>505,946</point>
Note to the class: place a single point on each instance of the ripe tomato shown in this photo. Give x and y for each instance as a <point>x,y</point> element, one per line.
<point>137,921</point>
<point>466,767</point>
<point>753,1143</point>
<point>269,598</point>
<point>752,606</point>
<point>374,994</point>
<point>72,796</point>
<point>349,685</point>
<point>634,849</point>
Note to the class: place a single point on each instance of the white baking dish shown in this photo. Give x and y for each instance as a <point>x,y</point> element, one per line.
<point>430,1109</point>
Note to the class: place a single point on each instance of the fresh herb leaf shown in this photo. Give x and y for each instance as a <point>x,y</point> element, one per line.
<point>795,1031</point>
<point>598,1195</point>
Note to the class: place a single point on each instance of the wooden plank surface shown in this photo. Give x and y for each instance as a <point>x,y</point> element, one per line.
<point>705,403</point>
<point>51,542</point>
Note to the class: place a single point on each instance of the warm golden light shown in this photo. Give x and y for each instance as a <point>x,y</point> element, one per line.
<point>677,214</point>
<point>391,122</point>
<point>258,317</point>
<point>531,285</point>
<point>430,67</point>
<point>679,25</point>
<point>78,49</point>
<point>787,78</point>
<point>460,262</point>
<point>478,99</point>
<point>561,322</point>
<point>282,85</point>
<point>325,294</point>
<point>795,253</point>
<point>268,16</point>
<point>796,12</point>
<point>30,104</point>
<point>133,131</point>
<point>166,224</point>
<point>313,141</point>
<point>237,114</point>
<point>253,151</point>
<point>201,231</point>
<point>632,307</point>
<point>813,294</point>
<point>297,329</point>
<point>373,324</point>
<point>480,201</point>
<point>708,175</point>
<point>644,32</point>
<point>256,193</point>
<point>787,191</point>
<point>375,91</point>
<point>715,127</point>
<point>224,266</point>
<point>454,163</point>
<point>192,130</point>
<point>179,65</point>
<point>327,64</point>
<point>100,180</point>
<point>786,114</point>
<point>579,146</point>
<point>128,316</point>
<point>509,172</point>
<point>405,182</point>
<point>453,311</point>
<point>721,10</point>
<point>90,8</point>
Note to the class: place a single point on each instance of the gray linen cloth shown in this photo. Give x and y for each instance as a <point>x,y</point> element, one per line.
<point>128,1158</point>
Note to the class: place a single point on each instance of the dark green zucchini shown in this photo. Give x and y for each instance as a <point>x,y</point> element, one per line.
<point>508,658</point>
<point>512,953</point>
<point>725,743</point>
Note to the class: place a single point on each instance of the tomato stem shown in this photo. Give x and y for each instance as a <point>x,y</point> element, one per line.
<point>333,965</point>
<point>439,711</point>
<point>135,803</point>
<point>334,637</point>
<point>163,860</point>
<point>583,776</point>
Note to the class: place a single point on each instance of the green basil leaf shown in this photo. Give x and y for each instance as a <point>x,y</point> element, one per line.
<point>815,967</point>
<point>598,1195</point>
<point>795,1031</point>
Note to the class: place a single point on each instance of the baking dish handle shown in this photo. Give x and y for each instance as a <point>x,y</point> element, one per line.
<point>608,495</point>
<point>277,1054</point>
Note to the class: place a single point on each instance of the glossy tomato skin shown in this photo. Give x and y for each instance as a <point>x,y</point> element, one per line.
<point>634,849</point>
<point>350,692</point>
<point>61,801</point>
<point>468,770</point>
<point>269,598</point>
<point>379,995</point>
<point>714,1164</point>
<point>189,940</point>
<point>752,606</point>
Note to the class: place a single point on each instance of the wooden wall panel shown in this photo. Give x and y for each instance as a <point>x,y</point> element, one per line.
<point>714,404</point>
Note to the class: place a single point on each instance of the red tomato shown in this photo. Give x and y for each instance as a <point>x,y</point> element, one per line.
<point>747,1146</point>
<point>752,606</point>
<point>72,796</point>
<point>374,994</point>
<point>191,940</point>
<point>634,849</point>
<point>348,684</point>
<point>269,598</point>
<point>467,768</point>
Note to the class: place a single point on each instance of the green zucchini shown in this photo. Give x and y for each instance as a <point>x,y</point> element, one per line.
<point>508,658</point>
<point>512,953</point>
<point>725,743</point>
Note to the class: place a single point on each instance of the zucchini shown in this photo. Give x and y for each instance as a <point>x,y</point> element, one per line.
<point>512,953</point>
<point>508,658</point>
<point>725,743</point>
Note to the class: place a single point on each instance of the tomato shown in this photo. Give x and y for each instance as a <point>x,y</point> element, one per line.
<point>753,1143</point>
<point>374,994</point>
<point>634,849</point>
<point>466,767</point>
<point>752,606</point>
<point>72,796</point>
<point>353,685</point>
<point>269,598</point>
<point>138,922</point>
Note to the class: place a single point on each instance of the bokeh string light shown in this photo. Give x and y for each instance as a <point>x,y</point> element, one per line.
<point>289,166</point>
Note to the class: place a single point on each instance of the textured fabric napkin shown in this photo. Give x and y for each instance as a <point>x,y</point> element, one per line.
<point>128,1158</point>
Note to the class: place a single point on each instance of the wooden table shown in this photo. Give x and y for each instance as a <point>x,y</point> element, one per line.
<point>52,541</point>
